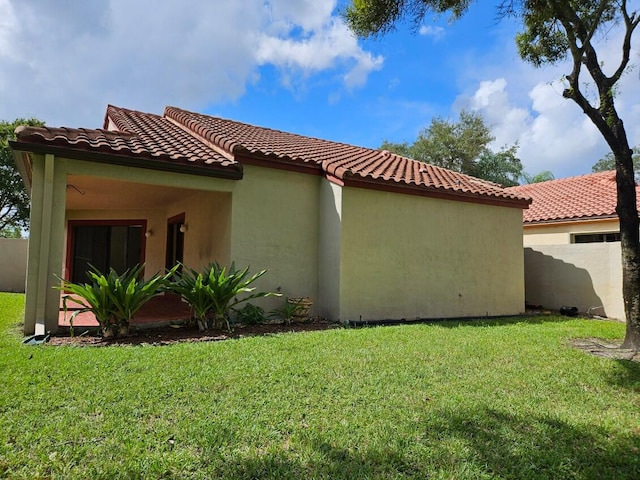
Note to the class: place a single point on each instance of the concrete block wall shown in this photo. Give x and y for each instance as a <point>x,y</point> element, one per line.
<point>13,264</point>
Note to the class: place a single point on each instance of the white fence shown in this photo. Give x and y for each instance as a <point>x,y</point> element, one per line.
<point>13,264</point>
<point>587,276</point>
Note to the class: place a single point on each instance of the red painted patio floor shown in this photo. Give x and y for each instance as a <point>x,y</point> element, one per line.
<point>161,310</point>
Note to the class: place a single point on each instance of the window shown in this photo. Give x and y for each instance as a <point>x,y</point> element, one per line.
<point>595,237</point>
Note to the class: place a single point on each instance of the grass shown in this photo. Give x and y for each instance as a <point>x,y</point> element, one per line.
<point>463,400</point>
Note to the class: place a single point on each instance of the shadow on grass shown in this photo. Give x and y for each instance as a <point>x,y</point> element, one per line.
<point>500,321</point>
<point>471,444</point>
<point>468,322</point>
<point>541,446</point>
<point>627,375</point>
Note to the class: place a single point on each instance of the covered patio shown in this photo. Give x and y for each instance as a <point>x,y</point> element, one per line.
<point>160,310</point>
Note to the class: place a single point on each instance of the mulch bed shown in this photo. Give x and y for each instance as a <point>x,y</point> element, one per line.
<point>169,335</point>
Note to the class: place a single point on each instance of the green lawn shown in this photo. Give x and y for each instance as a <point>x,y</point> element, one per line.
<point>456,400</point>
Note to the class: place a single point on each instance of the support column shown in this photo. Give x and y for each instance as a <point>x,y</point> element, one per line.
<point>45,236</point>
<point>46,233</point>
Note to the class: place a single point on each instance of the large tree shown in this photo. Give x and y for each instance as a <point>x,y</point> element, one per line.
<point>554,31</point>
<point>608,162</point>
<point>14,201</point>
<point>462,146</point>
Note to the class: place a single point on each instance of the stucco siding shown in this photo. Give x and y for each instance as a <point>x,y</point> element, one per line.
<point>560,234</point>
<point>13,258</point>
<point>329,249</point>
<point>46,244</point>
<point>414,257</point>
<point>275,227</point>
<point>586,276</point>
<point>208,223</point>
<point>144,175</point>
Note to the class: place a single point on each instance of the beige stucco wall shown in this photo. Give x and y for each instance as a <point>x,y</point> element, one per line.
<point>208,222</point>
<point>357,253</point>
<point>13,258</point>
<point>560,234</point>
<point>329,250</point>
<point>275,227</point>
<point>578,275</point>
<point>46,244</point>
<point>415,257</point>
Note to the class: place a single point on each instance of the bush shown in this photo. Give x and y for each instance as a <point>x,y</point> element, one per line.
<point>250,314</point>
<point>214,291</point>
<point>112,298</point>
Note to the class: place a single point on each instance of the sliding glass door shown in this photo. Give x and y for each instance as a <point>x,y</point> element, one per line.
<point>118,246</point>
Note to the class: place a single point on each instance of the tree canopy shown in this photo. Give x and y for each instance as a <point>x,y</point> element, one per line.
<point>463,146</point>
<point>543,176</point>
<point>555,30</point>
<point>608,162</point>
<point>14,201</point>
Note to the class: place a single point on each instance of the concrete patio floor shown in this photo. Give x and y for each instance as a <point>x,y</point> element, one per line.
<point>160,310</point>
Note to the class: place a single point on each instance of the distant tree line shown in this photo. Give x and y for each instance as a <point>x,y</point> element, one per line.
<point>14,200</point>
<point>463,146</point>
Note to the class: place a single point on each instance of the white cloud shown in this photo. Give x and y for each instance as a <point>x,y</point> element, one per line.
<point>320,49</point>
<point>434,31</point>
<point>525,105</point>
<point>64,65</point>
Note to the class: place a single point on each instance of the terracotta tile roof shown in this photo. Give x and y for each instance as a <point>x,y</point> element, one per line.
<point>138,135</point>
<point>183,137</point>
<point>342,161</point>
<point>574,198</point>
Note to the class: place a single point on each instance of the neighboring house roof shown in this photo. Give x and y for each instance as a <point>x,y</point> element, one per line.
<point>214,146</point>
<point>584,197</point>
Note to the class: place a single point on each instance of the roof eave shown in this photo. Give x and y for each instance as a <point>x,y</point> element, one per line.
<point>421,190</point>
<point>23,164</point>
<point>245,157</point>
<point>114,158</point>
<point>560,221</point>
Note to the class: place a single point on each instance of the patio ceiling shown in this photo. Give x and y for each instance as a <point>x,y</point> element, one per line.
<point>94,193</point>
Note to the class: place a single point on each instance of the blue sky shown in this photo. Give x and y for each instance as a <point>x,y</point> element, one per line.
<point>293,66</point>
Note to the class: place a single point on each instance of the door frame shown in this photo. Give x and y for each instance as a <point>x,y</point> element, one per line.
<point>171,222</point>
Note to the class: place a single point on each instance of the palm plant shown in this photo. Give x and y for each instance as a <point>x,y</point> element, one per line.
<point>130,292</point>
<point>212,292</point>
<point>112,298</point>
<point>92,297</point>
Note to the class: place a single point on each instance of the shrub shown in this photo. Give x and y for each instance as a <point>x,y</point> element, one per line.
<point>212,292</point>
<point>250,314</point>
<point>288,311</point>
<point>112,298</point>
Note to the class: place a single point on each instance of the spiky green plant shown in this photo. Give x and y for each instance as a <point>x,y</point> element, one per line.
<point>92,297</point>
<point>212,292</point>
<point>112,298</point>
<point>287,312</point>
<point>130,291</point>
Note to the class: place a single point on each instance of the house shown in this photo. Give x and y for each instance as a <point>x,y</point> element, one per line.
<point>571,236</point>
<point>366,234</point>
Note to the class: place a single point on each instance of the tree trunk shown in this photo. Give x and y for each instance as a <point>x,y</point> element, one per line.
<point>629,245</point>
